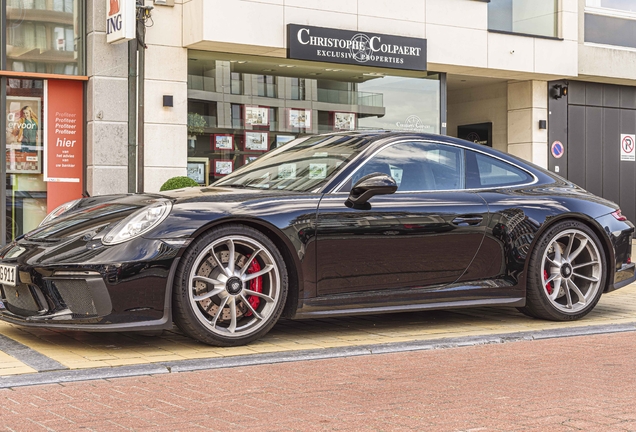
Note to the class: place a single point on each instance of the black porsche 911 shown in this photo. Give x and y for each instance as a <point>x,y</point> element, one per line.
<point>327,225</point>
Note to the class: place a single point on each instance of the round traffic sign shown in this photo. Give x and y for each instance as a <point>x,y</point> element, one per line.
<point>628,144</point>
<point>557,149</point>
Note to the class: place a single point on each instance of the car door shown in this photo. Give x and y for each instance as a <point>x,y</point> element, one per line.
<point>425,234</point>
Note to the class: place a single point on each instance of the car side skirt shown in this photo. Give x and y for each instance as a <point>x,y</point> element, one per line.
<point>307,313</point>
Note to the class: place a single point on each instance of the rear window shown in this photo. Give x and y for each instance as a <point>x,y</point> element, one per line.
<point>483,171</point>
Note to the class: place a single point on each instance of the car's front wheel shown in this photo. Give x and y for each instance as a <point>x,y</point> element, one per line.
<point>566,273</point>
<point>230,286</point>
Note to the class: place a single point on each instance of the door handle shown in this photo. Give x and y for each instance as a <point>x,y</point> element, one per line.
<point>467,220</point>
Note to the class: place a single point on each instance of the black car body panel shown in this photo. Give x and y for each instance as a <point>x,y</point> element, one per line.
<point>405,252</point>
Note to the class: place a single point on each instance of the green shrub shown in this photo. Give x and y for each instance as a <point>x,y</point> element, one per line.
<point>178,183</point>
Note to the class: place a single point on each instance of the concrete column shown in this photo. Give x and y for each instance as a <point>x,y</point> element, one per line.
<point>166,131</point>
<point>527,104</point>
<point>107,112</point>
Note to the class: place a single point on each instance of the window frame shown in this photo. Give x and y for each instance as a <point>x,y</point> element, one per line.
<point>337,189</point>
<point>557,26</point>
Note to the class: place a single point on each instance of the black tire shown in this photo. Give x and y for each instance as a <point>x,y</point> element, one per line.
<point>538,298</point>
<point>202,324</point>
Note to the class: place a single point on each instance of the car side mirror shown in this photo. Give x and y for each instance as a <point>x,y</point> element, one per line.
<point>370,186</point>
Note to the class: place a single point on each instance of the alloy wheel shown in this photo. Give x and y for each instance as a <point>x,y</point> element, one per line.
<point>234,286</point>
<point>571,270</point>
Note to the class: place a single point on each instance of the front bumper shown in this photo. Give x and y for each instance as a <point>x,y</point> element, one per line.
<point>99,294</point>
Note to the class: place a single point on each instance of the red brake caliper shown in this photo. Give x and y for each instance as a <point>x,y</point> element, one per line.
<point>548,286</point>
<point>256,285</point>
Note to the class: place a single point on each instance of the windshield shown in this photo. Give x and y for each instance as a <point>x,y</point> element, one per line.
<point>301,165</point>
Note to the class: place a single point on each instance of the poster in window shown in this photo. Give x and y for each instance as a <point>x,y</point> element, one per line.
<point>344,121</point>
<point>24,135</point>
<point>223,167</point>
<point>283,139</point>
<point>256,116</point>
<point>257,141</point>
<point>223,142</point>
<point>199,170</point>
<point>300,119</point>
<point>247,159</point>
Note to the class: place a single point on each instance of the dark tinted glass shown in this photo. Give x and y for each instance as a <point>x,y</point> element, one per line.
<point>418,166</point>
<point>610,30</point>
<point>484,171</point>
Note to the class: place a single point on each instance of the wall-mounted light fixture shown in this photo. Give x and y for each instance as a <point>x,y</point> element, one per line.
<point>168,100</point>
<point>558,91</point>
<point>543,124</point>
<point>164,2</point>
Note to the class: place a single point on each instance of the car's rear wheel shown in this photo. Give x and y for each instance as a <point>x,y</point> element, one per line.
<point>230,286</point>
<point>566,273</point>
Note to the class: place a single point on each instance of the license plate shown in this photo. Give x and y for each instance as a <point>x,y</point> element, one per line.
<point>8,274</point>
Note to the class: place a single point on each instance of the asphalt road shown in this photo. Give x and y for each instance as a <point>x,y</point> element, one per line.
<point>564,384</point>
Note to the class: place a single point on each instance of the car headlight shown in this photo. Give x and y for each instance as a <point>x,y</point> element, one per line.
<point>138,223</point>
<point>59,211</point>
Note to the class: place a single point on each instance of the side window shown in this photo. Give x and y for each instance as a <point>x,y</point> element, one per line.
<point>484,171</point>
<point>417,166</point>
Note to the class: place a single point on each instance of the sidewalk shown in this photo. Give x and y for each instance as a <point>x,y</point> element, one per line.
<point>29,351</point>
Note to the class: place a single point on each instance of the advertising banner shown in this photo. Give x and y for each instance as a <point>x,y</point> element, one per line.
<point>64,142</point>
<point>24,135</point>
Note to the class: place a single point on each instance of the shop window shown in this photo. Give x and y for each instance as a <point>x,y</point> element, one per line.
<point>314,101</point>
<point>25,186</point>
<point>237,116</point>
<point>236,83</point>
<point>298,88</point>
<point>266,86</point>
<point>49,37</point>
<point>63,5</point>
<point>202,75</point>
<point>529,17</point>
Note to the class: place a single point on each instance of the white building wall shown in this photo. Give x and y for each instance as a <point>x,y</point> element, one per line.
<point>166,152</point>
<point>107,102</point>
<point>457,32</point>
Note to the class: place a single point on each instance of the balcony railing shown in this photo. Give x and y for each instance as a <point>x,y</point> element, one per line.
<point>350,97</point>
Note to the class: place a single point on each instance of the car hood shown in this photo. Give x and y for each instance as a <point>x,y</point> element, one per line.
<point>91,216</point>
<point>96,215</point>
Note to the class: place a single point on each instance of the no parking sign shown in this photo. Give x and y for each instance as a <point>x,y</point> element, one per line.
<point>628,142</point>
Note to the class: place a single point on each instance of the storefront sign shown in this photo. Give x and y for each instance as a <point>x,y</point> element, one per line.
<point>64,141</point>
<point>358,48</point>
<point>628,142</point>
<point>120,20</point>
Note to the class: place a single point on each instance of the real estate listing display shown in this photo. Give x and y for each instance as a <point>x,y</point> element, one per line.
<point>256,116</point>
<point>223,142</point>
<point>256,141</point>
<point>300,119</point>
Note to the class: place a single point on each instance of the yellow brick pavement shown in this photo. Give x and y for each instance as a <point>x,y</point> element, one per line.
<point>82,350</point>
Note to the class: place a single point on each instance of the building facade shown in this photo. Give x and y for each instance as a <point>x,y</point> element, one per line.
<point>551,81</point>
<point>43,80</point>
